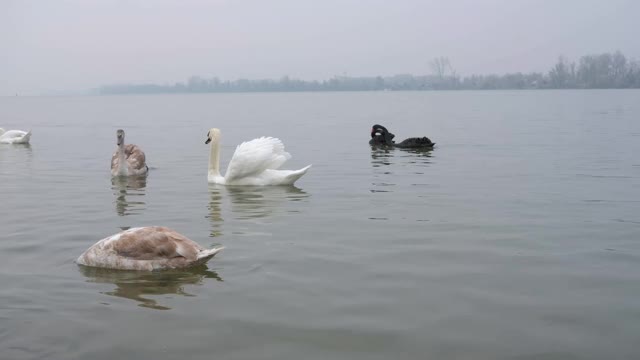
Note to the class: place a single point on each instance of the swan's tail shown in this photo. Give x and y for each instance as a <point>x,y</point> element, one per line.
<point>295,175</point>
<point>206,254</point>
<point>25,139</point>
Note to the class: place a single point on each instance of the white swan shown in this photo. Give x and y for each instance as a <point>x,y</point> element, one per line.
<point>146,248</point>
<point>254,162</point>
<point>128,159</point>
<point>14,136</point>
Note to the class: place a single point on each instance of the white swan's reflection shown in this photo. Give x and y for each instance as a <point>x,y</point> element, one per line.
<point>141,286</point>
<point>15,158</point>
<point>248,202</point>
<point>129,192</point>
<point>26,147</point>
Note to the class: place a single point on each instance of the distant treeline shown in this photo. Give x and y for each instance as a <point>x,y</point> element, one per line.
<point>603,71</point>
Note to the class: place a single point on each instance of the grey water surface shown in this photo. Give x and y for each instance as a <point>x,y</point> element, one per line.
<point>517,237</point>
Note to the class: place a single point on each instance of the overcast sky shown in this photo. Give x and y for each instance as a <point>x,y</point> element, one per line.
<point>73,45</point>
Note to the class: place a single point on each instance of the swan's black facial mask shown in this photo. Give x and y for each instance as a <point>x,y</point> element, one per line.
<point>208,140</point>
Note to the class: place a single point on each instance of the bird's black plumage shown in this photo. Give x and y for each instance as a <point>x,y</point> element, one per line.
<point>380,136</point>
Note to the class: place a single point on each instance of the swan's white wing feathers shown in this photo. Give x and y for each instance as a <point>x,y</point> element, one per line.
<point>254,157</point>
<point>15,136</point>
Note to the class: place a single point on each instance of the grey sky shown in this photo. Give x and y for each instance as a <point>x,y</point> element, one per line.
<point>71,45</point>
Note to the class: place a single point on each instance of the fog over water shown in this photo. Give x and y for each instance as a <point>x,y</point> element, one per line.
<point>75,45</point>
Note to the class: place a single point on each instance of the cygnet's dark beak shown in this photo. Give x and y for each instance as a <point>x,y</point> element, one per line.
<point>207,141</point>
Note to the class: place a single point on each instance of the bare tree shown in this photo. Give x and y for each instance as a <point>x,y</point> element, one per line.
<point>440,66</point>
<point>560,75</point>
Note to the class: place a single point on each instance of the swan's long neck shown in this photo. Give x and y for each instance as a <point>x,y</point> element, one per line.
<point>214,158</point>
<point>122,161</point>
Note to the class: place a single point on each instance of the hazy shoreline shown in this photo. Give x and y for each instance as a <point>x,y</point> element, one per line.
<point>602,71</point>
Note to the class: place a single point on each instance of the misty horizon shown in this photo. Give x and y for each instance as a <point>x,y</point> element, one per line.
<point>598,71</point>
<point>75,46</point>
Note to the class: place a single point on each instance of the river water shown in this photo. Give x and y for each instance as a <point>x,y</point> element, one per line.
<point>517,237</point>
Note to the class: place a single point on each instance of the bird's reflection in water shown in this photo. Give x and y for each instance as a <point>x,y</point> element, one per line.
<point>129,192</point>
<point>383,159</point>
<point>215,209</point>
<point>422,157</point>
<point>384,155</point>
<point>261,201</point>
<point>141,286</point>
<point>249,202</point>
<point>381,155</point>
<point>16,154</point>
<point>26,148</point>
